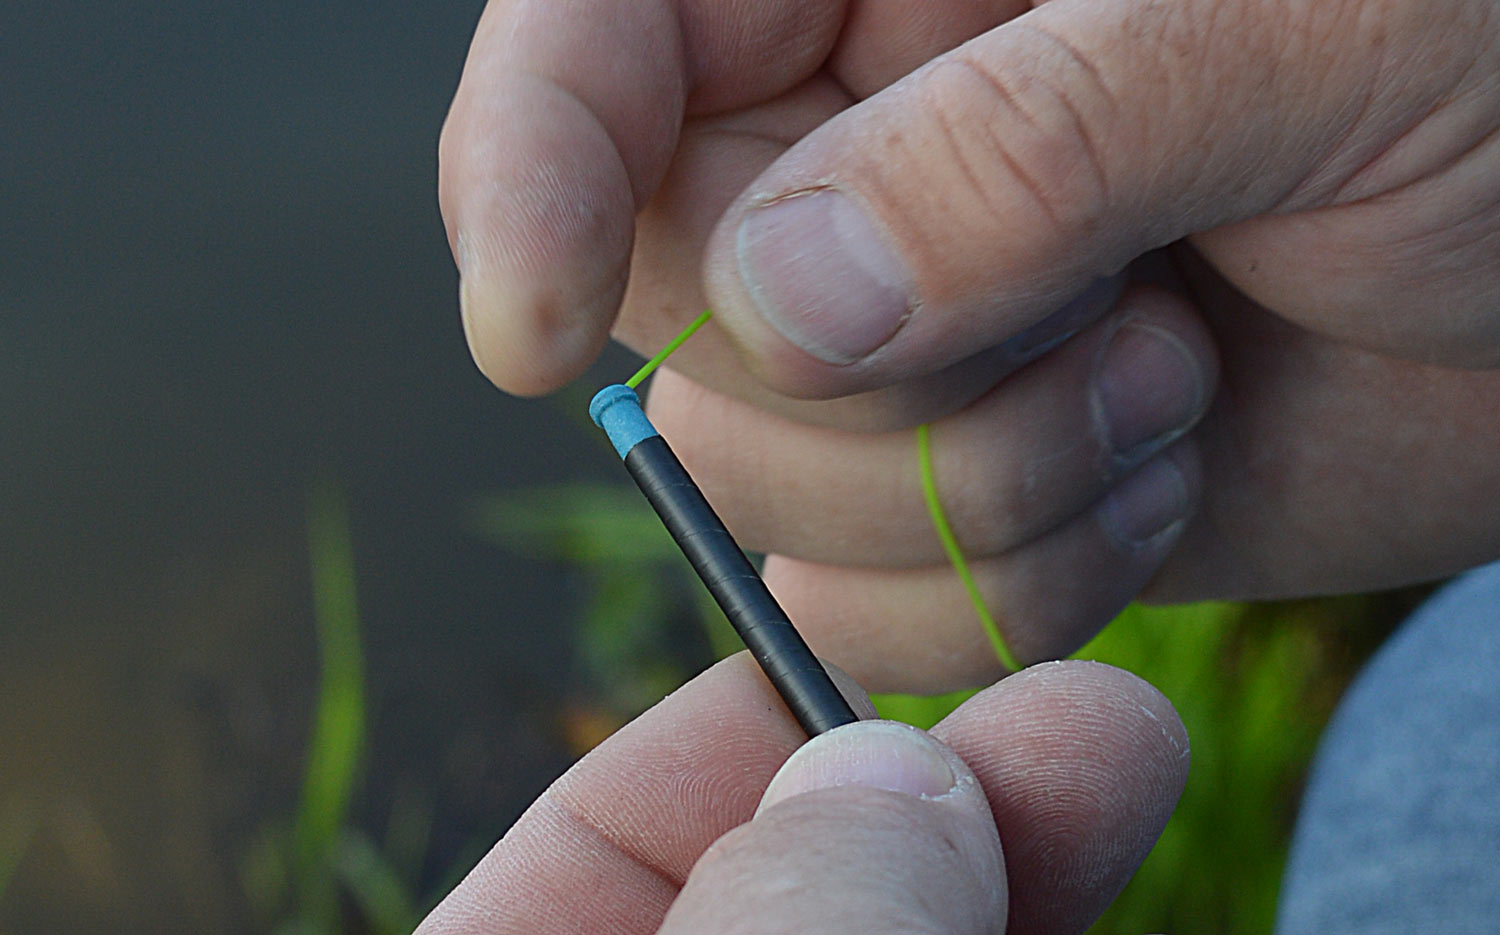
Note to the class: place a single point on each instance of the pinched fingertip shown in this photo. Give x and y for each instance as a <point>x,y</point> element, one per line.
<point>530,346</point>
<point>541,217</point>
<point>874,754</point>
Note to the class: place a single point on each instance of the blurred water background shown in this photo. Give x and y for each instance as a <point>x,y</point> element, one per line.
<point>297,612</point>
<point>223,281</point>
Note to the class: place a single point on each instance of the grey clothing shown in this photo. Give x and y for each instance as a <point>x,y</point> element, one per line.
<point>1399,830</point>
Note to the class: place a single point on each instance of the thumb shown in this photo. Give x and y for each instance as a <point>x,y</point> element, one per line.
<point>871,827</point>
<point>982,191</point>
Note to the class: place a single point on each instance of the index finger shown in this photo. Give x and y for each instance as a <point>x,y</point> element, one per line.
<point>564,123</point>
<point>1081,764</point>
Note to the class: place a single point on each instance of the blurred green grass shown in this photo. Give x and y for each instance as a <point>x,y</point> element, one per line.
<point>315,872</point>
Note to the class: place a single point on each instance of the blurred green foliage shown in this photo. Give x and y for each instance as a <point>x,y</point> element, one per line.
<point>316,873</point>
<point>337,743</point>
<point>638,594</point>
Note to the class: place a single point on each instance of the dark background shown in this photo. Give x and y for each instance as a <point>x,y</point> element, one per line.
<point>222,277</point>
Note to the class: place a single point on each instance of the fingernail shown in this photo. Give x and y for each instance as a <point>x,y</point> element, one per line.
<point>874,754</point>
<point>1146,506</point>
<point>474,297</point>
<point>469,317</point>
<point>1149,388</point>
<point>822,275</point>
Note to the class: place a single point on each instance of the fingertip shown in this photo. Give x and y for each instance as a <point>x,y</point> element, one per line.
<point>855,833</point>
<point>1135,734</point>
<point>540,213</point>
<point>1142,737</point>
<point>529,344</point>
<point>1083,764</point>
<point>1137,709</point>
<point>883,755</point>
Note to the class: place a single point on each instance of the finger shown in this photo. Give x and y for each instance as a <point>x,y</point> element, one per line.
<point>720,154</point>
<point>1050,151</point>
<point>1038,449</point>
<point>715,158</point>
<point>562,126</point>
<point>1105,758</point>
<point>1333,470</point>
<point>916,629</point>
<point>872,827</point>
<point>608,846</point>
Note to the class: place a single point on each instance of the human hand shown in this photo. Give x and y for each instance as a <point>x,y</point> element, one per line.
<point>1027,814</point>
<point>1333,167</point>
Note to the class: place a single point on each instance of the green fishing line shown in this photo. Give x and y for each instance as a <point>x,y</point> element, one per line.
<point>955,553</point>
<point>929,493</point>
<point>666,352</point>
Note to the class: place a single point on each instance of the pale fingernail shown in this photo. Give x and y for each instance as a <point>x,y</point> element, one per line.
<point>822,275</point>
<point>1147,506</point>
<point>469,303</point>
<point>474,298</point>
<point>875,754</point>
<point>1149,389</point>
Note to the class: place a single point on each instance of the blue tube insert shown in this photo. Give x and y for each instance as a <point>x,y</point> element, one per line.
<point>617,410</point>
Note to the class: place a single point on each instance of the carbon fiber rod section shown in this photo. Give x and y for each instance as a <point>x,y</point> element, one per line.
<point>732,580</point>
